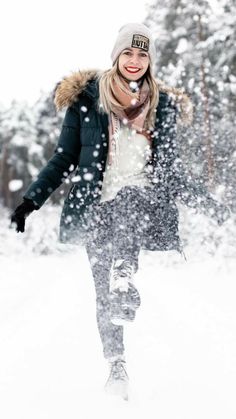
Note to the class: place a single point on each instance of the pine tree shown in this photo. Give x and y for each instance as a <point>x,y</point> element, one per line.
<point>195,45</point>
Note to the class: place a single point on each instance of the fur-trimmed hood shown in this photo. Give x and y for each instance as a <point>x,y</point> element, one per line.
<point>67,91</point>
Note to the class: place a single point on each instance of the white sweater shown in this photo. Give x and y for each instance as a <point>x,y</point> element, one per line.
<point>130,154</point>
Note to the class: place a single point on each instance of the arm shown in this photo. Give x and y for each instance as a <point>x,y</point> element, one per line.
<point>53,174</point>
<point>179,183</point>
<point>60,165</point>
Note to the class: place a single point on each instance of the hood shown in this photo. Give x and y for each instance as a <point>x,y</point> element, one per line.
<point>67,91</point>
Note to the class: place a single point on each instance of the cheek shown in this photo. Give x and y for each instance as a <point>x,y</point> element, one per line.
<point>145,66</point>
<point>120,63</point>
<point>123,60</point>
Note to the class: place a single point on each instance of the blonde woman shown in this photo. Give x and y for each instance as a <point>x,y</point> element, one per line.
<point>119,137</point>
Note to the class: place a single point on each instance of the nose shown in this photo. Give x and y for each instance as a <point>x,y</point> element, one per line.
<point>134,60</point>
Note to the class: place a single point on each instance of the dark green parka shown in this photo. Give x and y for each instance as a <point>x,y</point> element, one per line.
<point>83,146</point>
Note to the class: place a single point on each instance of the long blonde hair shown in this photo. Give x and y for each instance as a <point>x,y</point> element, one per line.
<point>106,98</point>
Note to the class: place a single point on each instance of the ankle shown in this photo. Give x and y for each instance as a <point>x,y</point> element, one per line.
<point>115,358</point>
<point>118,261</point>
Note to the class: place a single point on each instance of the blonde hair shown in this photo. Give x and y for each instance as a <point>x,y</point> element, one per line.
<point>106,98</point>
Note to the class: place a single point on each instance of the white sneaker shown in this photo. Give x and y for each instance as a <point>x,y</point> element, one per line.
<point>118,380</point>
<point>122,275</point>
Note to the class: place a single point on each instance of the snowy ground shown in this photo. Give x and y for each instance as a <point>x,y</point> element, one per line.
<point>181,350</point>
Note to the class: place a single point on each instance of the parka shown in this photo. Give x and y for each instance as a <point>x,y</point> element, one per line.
<point>81,154</point>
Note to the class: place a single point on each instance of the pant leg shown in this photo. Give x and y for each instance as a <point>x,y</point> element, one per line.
<point>129,223</point>
<point>99,251</point>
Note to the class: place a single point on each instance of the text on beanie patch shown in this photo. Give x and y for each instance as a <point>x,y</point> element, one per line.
<point>140,41</point>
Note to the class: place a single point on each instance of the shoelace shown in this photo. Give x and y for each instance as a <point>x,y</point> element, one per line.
<point>118,371</point>
<point>124,270</point>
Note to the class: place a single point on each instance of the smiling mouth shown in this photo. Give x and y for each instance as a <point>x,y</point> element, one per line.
<point>132,69</point>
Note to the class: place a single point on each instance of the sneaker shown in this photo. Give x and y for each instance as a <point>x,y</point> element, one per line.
<point>122,275</point>
<point>118,380</point>
<point>123,305</point>
<point>124,296</point>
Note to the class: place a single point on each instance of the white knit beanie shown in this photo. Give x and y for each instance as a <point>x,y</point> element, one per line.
<point>134,35</point>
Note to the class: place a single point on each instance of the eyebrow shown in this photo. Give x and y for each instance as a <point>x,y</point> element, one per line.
<point>140,49</point>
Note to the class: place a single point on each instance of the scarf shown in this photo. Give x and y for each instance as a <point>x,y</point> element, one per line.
<point>136,105</point>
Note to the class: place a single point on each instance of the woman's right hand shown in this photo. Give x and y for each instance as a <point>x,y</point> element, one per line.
<point>21,212</point>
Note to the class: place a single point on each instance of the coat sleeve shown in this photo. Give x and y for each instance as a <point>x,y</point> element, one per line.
<point>61,164</point>
<point>190,192</point>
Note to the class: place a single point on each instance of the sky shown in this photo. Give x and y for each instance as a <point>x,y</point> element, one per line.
<point>43,41</point>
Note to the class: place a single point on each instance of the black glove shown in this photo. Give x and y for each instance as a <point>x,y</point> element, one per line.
<point>21,212</point>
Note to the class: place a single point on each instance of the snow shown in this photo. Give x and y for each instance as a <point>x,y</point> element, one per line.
<point>32,170</point>
<point>18,140</point>
<point>36,149</point>
<point>76,178</point>
<point>182,46</point>
<point>133,85</point>
<point>15,184</point>
<point>88,176</point>
<point>181,349</point>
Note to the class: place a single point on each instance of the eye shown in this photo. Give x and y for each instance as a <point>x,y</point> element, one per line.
<point>127,52</point>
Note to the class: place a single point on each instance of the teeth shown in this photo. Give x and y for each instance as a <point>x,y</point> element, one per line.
<point>132,69</point>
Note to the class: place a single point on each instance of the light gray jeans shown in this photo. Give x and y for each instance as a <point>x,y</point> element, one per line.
<point>116,231</point>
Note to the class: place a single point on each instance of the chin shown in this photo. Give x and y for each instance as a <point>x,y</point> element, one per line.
<point>133,76</point>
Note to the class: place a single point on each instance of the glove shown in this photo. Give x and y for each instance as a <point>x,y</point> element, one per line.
<point>221,213</point>
<point>21,212</point>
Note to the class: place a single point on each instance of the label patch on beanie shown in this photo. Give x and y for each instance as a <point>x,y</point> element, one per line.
<point>140,41</point>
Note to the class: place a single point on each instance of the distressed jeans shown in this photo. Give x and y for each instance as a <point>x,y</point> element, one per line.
<point>116,230</point>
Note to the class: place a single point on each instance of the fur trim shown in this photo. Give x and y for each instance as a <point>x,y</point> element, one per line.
<point>183,102</point>
<point>67,91</point>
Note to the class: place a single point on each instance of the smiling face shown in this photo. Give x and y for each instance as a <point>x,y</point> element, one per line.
<point>133,63</point>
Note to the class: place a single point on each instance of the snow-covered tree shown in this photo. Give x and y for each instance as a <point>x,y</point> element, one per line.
<point>28,136</point>
<point>195,45</point>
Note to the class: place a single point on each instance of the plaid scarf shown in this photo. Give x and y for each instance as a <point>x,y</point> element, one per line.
<point>132,112</point>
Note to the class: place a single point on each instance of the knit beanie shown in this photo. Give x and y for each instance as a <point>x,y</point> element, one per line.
<point>134,35</point>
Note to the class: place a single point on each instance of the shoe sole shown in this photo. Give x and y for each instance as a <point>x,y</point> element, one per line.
<point>130,298</point>
<point>121,314</point>
<point>117,321</point>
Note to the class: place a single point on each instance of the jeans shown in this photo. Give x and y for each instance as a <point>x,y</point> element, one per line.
<point>116,229</point>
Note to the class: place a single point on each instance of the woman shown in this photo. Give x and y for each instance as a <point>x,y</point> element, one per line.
<point>119,134</point>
